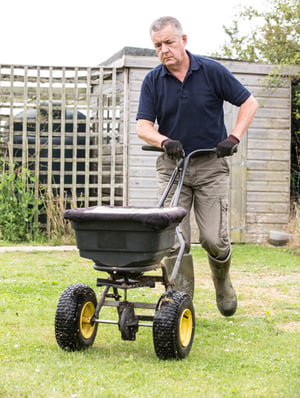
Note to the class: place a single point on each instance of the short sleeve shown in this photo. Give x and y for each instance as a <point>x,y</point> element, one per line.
<point>146,109</point>
<point>227,86</point>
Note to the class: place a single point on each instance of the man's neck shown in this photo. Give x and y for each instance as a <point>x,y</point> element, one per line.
<point>181,70</point>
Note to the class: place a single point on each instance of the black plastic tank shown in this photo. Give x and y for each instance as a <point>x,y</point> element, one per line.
<point>71,134</point>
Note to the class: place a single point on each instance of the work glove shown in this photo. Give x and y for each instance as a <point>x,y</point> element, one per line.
<point>173,149</point>
<point>227,147</point>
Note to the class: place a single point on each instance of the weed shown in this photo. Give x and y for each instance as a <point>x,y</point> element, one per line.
<point>18,205</point>
<point>59,231</point>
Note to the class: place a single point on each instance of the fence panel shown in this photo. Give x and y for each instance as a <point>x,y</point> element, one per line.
<point>64,124</point>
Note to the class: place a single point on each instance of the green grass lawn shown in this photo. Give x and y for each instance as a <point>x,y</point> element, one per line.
<point>255,353</point>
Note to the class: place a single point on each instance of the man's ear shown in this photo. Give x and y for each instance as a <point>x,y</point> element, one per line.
<point>184,39</point>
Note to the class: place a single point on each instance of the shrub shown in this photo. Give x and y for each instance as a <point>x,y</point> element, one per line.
<point>18,205</point>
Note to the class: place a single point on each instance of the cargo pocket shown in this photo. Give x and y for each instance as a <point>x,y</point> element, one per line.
<point>223,233</point>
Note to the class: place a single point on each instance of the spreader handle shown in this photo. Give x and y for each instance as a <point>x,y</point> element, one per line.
<point>152,148</point>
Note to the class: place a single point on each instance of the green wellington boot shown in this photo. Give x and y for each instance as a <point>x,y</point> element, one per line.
<point>225,294</point>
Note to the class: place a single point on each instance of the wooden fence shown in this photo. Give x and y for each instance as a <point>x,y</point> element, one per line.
<point>67,126</point>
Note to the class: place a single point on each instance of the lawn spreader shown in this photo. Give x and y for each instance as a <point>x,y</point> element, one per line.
<point>132,245</point>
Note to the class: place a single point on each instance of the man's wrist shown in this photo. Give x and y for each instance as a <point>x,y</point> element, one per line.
<point>232,138</point>
<point>164,141</point>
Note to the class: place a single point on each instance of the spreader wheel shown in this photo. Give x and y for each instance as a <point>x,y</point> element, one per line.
<point>173,325</point>
<point>73,327</point>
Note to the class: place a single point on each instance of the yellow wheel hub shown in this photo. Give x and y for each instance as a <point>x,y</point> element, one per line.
<point>87,312</point>
<point>185,327</point>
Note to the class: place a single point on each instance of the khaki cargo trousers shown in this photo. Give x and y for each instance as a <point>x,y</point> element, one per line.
<point>206,188</point>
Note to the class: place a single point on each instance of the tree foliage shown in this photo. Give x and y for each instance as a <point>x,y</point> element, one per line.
<point>270,36</point>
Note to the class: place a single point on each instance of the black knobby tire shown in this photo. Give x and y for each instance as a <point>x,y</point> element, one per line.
<point>174,325</point>
<point>75,308</point>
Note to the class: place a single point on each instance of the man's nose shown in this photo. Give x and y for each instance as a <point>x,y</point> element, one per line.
<point>164,48</point>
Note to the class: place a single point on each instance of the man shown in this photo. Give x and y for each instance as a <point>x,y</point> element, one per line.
<point>185,96</point>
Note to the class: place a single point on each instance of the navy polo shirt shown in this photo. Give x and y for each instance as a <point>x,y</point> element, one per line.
<point>191,111</point>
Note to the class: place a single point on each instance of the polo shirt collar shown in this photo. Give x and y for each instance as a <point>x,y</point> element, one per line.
<point>194,65</point>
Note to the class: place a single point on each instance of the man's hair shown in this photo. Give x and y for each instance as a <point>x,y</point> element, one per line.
<point>160,23</point>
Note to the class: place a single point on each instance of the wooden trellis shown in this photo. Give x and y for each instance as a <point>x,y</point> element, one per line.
<point>67,125</point>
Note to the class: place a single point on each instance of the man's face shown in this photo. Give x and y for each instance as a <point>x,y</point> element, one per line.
<point>169,46</point>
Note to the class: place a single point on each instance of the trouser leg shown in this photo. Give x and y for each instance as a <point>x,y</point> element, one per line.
<point>216,242</point>
<point>165,168</point>
<point>211,212</point>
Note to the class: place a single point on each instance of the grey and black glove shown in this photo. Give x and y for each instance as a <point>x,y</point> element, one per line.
<point>228,147</point>
<point>173,149</point>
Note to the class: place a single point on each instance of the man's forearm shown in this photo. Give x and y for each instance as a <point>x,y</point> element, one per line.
<point>147,132</point>
<point>245,116</point>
